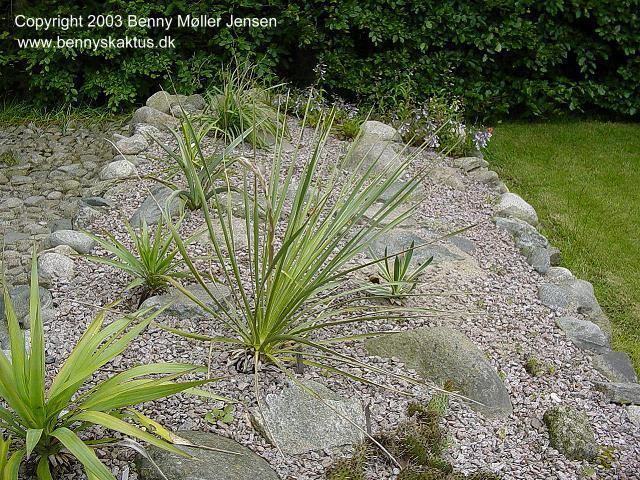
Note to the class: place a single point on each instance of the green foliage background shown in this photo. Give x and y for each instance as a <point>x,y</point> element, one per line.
<point>501,56</point>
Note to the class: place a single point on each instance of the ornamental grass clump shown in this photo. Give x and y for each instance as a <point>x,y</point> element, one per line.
<point>45,424</point>
<point>241,104</point>
<point>291,296</point>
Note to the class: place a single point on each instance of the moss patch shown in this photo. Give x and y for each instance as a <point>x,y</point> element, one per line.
<point>417,444</point>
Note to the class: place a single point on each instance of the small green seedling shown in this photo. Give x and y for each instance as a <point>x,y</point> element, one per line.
<point>349,128</point>
<point>224,415</point>
<point>8,159</point>
<point>534,367</point>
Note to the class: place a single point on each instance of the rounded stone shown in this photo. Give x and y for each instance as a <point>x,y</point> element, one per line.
<point>616,366</point>
<point>12,203</point>
<point>559,275</point>
<point>447,176</point>
<point>60,224</point>
<point>131,145</point>
<point>164,101</point>
<point>21,180</point>
<point>380,130</point>
<point>153,117</point>
<point>210,464</point>
<point>148,131</point>
<point>54,266</point>
<point>440,354</point>
<point>118,170</point>
<point>72,169</point>
<point>69,185</point>
<point>20,298</point>
<point>583,333</point>
<point>34,201</point>
<point>470,164</point>
<point>633,412</point>
<point>54,195</point>
<point>320,421</point>
<point>570,433</point>
<point>152,208</point>
<point>80,242</point>
<point>131,158</point>
<point>539,259</point>
<point>371,152</point>
<point>512,205</point>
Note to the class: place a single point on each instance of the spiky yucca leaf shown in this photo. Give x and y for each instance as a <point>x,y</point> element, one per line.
<point>47,421</point>
<point>196,167</point>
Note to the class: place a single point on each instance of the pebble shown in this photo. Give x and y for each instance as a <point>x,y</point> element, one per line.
<point>34,201</point>
<point>18,180</point>
<point>12,203</point>
<point>55,195</point>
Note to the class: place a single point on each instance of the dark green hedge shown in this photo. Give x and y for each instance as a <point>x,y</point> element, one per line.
<point>502,56</point>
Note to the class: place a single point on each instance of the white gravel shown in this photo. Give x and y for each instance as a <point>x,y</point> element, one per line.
<point>498,309</point>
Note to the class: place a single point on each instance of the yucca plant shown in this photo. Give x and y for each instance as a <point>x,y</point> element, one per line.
<point>395,281</point>
<point>195,166</point>
<point>48,421</point>
<point>242,104</point>
<point>299,258</point>
<point>153,259</point>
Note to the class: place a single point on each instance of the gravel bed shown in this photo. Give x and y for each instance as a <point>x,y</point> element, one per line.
<point>50,167</point>
<point>497,308</point>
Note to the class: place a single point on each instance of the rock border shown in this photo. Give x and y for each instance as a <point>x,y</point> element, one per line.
<point>561,290</point>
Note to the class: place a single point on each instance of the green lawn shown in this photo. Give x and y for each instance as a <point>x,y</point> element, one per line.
<point>583,178</point>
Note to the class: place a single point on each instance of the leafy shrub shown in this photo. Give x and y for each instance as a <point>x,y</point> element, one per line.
<point>514,57</point>
<point>439,122</point>
<point>48,421</point>
<point>397,281</point>
<point>309,104</point>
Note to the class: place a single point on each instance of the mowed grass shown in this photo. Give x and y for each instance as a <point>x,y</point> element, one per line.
<point>583,178</point>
